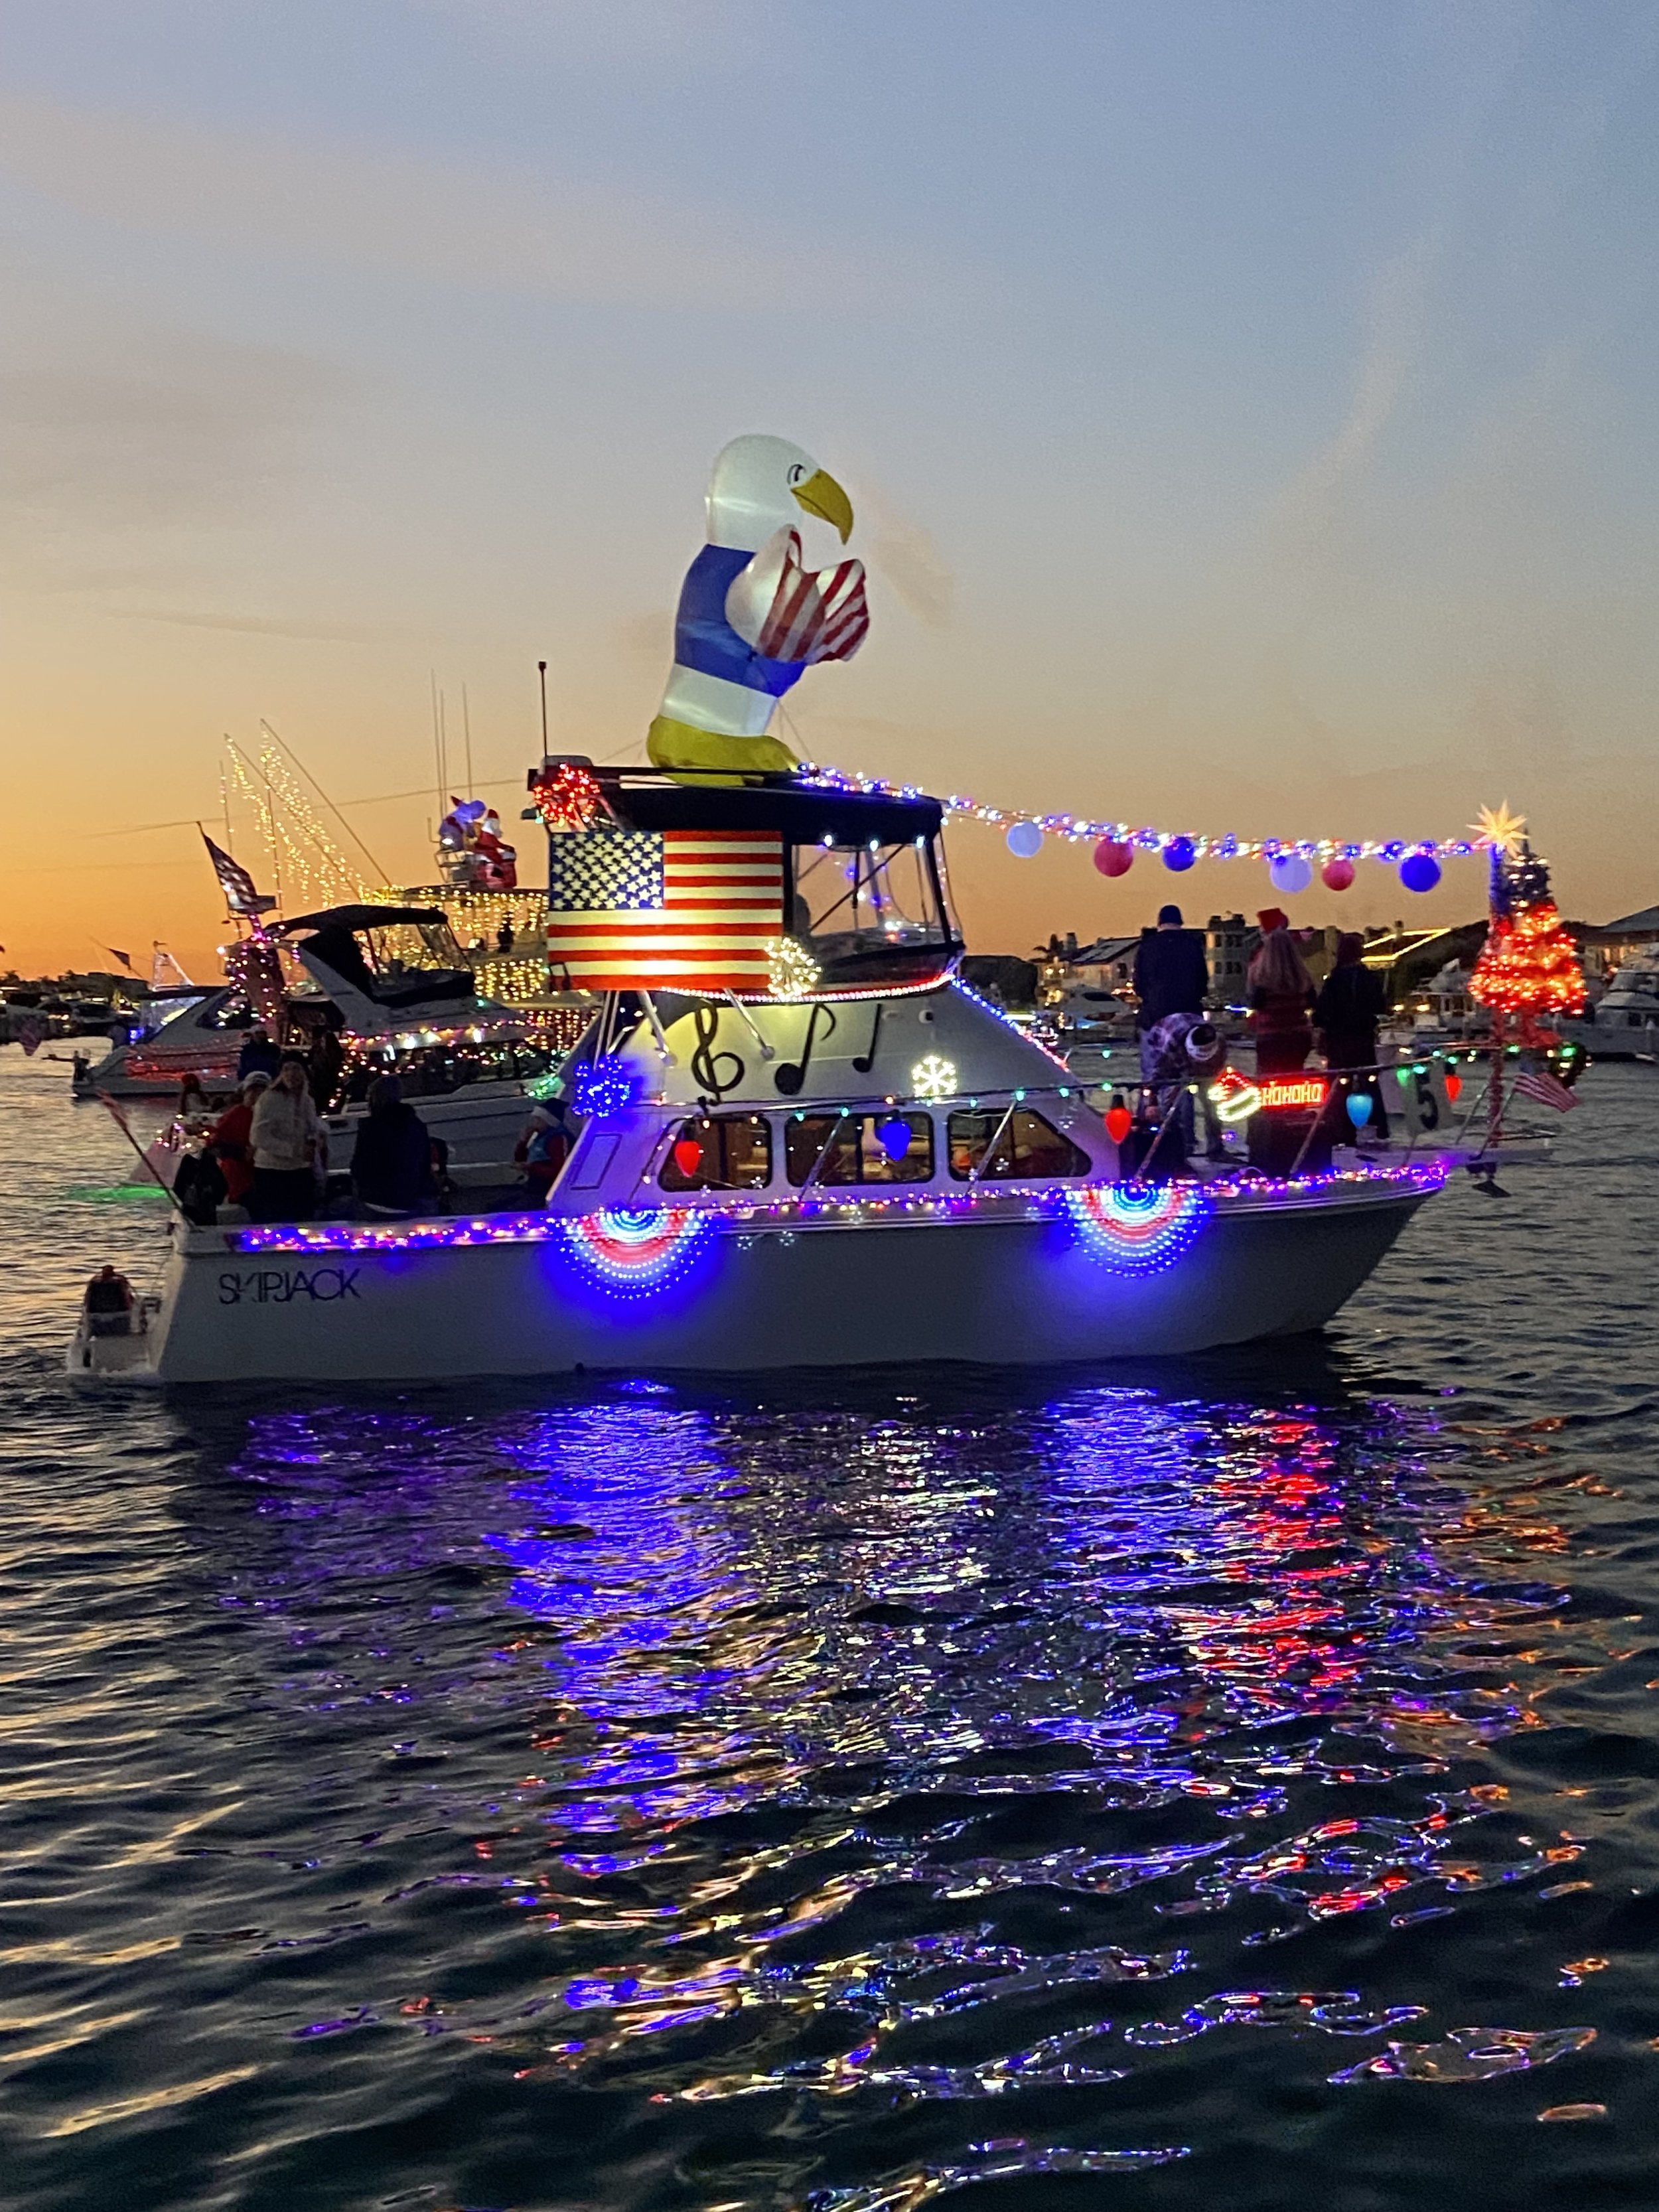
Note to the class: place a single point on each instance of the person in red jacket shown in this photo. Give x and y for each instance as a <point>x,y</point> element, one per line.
<point>1280,993</point>
<point>230,1140</point>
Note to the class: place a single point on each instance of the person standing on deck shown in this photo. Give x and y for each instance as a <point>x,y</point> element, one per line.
<point>286,1136</point>
<point>258,1056</point>
<point>1280,991</point>
<point>230,1140</point>
<point>1352,1001</point>
<point>1172,976</point>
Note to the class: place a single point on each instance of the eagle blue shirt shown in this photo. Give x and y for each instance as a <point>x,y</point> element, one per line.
<point>706,641</point>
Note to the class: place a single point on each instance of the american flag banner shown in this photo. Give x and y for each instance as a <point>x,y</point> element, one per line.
<point>788,612</point>
<point>1544,1088</point>
<point>240,896</point>
<point>691,909</point>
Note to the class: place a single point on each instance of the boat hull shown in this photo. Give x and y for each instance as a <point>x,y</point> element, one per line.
<point>1024,1288</point>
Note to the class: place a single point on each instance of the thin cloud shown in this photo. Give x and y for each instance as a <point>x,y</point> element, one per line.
<point>261,626</point>
<point>1394,341</point>
<point>394,214</point>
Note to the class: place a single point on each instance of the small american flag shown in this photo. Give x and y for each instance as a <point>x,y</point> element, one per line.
<point>691,909</point>
<point>235,881</point>
<point>811,615</point>
<point>1544,1088</point>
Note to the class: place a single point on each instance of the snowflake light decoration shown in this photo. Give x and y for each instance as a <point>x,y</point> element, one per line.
<point>791,971</point>
<point>933,1079</point>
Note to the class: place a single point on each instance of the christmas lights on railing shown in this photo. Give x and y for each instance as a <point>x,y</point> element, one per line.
<point>1291,862</point>
<point>1124,1203</point>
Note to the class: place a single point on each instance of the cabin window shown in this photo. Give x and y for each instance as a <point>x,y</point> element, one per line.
<point>852,899</point>
<point>434,1070</point>
<point>862,1148</point>
<point>1028,1145</point>
<point>733,1153</point>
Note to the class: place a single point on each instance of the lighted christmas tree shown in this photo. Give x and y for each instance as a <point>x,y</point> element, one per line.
<point>1529,967</point>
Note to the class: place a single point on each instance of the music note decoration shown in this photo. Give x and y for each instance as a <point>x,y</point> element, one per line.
<point>790,1077</point>
<point>707,1061</point>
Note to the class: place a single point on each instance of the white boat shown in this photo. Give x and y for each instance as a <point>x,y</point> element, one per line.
<point>1624,1024</point>
<point>193,1029</point>
<point>864,1162</point>
<point>464,1063</point>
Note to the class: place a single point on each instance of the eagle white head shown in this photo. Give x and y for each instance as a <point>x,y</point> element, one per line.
<point>763,484</point>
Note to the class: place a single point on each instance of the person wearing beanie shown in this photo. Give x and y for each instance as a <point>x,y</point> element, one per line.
<point>1172,976</point>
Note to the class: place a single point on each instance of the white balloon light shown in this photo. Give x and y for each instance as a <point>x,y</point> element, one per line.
<point>1290,873</point>
<point>1026,841</point>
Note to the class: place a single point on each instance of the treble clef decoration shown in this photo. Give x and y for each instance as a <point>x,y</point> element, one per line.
<point>792,1074</point>
<point>706,1061</point>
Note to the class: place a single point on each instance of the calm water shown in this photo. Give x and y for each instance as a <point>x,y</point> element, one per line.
<point>1228,1785</point>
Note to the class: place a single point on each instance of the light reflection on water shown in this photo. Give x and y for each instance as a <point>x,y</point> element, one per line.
<point>1235,1781</point>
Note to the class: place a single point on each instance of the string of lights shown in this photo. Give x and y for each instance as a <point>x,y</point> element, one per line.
<point>751,1217</point>
<point>308,865</point>
<point>1291,859</point>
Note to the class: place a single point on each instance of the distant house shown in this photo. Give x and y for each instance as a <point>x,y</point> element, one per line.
<point>1229,943</point>
<point>1108,965</point>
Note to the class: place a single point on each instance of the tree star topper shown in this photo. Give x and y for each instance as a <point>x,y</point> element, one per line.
<point>1500,830</point>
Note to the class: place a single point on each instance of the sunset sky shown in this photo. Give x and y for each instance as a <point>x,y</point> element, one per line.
<point>1249,410</point>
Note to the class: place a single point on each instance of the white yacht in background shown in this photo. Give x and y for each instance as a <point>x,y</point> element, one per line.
<point>1624,1024</point>
<point>467,1064</point>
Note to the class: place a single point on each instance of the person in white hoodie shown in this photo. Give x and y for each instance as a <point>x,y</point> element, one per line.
<point>287,1144</point>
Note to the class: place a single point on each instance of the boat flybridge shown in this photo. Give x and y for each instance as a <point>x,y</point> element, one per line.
<point>801,1139</point>
<point>1623,1024</point>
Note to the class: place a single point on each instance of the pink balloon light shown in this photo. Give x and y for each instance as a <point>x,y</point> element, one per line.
<point>1113,858</point>
<point>1336,875</point>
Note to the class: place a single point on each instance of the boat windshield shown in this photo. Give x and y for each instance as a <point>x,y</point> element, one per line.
<point>405,947</point>
<point>856,899</point>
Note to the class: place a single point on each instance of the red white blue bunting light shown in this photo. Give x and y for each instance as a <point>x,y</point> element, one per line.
<point>1138,1228</point>
<point>631,1255</point>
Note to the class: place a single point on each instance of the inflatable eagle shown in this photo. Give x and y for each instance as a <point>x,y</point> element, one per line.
<point>750,617</point>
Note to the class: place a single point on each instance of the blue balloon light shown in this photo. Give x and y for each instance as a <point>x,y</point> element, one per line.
<point>894,1136</point>
<point>1358,1103</point>
<point>1178,854</point>
<point>1026,841</point>
<point>1419,872</point>
<point>1291,874</point>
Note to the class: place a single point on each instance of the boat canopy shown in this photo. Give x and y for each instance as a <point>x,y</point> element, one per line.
<point>801,813</point>
<point>360,917</point>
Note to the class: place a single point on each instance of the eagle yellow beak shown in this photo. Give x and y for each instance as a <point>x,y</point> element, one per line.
<point>822,496</point>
